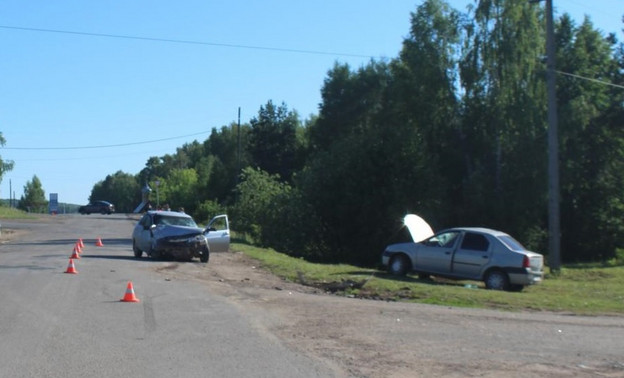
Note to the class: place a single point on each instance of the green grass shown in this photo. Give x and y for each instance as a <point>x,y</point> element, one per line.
<point>13,213</point>
<point>576,289</point>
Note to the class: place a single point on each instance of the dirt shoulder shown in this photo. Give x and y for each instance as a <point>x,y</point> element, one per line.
<point>368,338</point>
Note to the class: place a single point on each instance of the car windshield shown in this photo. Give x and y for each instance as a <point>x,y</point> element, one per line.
<point>174,221</point>
<point>512,243</point>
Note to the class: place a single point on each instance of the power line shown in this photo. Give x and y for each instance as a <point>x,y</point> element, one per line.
<point>104,146</point>
<point>188,42</point>
<point>590,79</point>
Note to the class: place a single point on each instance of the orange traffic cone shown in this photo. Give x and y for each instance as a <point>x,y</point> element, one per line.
<point>80,243</point>
<point>71,268</point>
<point>98,243</point>
<point>75,254</point>
<point>130,297</point>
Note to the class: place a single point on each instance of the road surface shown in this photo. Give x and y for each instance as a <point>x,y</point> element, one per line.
<point>229,318</point>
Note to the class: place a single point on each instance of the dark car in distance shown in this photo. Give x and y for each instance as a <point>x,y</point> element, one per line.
<point>101,207</point>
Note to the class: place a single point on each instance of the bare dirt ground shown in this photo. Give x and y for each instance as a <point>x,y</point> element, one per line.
<point>368,338</point>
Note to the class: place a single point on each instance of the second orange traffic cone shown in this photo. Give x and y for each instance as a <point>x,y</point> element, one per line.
<point>99,243</point>
<point>75,254</point>
<point>129,296</point>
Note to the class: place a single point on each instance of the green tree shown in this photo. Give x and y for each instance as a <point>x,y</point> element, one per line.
<point>121,189</point>
<point>592,143</point>
<point>33,200</point>
<point>425,113</point>
<point>5,165</point>
<point>181,190</point>
<point>377,141</point>
<point>501,140</point>
<point>226,154</point>
<point>345,179</point>
<point>273,143</point>
<point>256,205</point>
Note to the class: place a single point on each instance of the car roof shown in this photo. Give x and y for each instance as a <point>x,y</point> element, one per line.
<point>482,230</point>
<point>169,213</point>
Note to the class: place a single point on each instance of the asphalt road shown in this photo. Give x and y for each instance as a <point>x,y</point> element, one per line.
<point>54,324</point>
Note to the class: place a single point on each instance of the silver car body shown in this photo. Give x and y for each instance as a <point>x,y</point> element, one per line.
<point>161,233</point>
<point>468,253</point>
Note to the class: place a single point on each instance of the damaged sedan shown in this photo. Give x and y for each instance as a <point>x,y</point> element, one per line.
<point>170,234</point>
<point>465,253</point>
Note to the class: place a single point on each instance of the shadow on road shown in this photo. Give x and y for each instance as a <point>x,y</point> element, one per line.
<point>87,242</point>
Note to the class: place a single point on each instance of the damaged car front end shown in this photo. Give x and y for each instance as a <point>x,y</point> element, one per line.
<point>182,247</point>
<point>175,235</point>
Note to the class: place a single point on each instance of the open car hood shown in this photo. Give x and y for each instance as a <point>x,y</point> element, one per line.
<point>417,227</point>
<point>167,231</point>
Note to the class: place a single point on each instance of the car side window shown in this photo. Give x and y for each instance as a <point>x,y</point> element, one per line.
<point>145,221</point>
<point>475,242</point>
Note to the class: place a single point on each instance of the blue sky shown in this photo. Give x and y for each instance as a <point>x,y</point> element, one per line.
<point>61,92</point>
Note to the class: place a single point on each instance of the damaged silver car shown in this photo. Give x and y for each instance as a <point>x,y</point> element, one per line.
<point>170,234</point>
<point>465,253</point>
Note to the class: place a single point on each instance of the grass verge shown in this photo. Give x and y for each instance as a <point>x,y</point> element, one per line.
<point>13,213</point>
<point>575,290</point>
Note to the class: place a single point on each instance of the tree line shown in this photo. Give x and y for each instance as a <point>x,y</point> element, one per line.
<point>453,129</point>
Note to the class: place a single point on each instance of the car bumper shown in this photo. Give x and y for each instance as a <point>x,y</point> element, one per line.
<point>525,277</point>
<point>182,249</point>
<point>385,259</point>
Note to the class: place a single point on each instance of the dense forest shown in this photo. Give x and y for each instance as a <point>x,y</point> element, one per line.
<point>453,129</point>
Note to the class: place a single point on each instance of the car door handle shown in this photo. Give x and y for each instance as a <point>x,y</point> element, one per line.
<point>447,252</point>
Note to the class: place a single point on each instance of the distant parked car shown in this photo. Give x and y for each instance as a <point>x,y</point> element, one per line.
<point>172,234</point>
<point>468,253</point>
<point>101,207</point>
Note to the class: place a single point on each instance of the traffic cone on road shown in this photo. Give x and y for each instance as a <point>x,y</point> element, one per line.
<point>129,296</point>
<point>80,243</point>
<point>75,254</point>
<point>99,243</point>
<point>71,268</point>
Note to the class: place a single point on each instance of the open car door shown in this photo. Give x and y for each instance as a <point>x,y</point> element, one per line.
<point>218,233</point>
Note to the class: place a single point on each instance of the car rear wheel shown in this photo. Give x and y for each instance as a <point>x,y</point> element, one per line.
<point>496,280</point>
<point>137,252</point>
<point>399,265</point>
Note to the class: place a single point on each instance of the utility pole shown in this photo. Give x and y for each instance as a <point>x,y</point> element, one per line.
<point>554,221</point>
<point>238,153</point>
<point>554,224</point>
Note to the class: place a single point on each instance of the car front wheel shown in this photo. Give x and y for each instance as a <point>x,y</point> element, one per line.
<point>137,252</point>
<point>399,265</point>
<point>205,255</point>
<point>497,280</point>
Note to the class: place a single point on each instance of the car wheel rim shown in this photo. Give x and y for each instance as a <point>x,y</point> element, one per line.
<point>397,265</point>
<point>496,281</point>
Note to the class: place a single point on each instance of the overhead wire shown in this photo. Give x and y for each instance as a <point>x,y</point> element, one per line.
<point>590,79</point>
<point>188,42</point>
<point>105,146</point>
